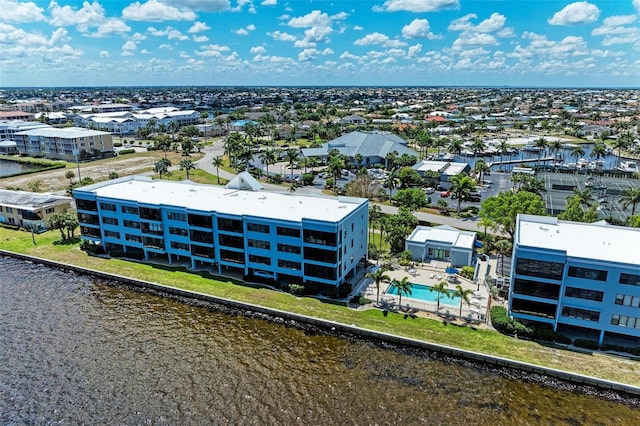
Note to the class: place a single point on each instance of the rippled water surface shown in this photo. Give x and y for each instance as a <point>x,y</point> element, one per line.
<point>74,351</point>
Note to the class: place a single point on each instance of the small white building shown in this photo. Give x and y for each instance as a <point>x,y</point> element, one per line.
<point>443,243</point>
<point>445,170</point>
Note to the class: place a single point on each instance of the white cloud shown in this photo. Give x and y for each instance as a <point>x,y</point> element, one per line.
<point>636,4</point>
<point>576,13</point>
<point>269,3</point>
<point>89,15</point>
<point>418,28</point>
<point>373,38</point>
<point>110,26</point>
<point>104,54</point>
<point>169,32</point>
<point>311,19</point>
<point>414,50</point>
<point>308,55</point>
<point>474,39</point>
<point>258,50</point>
<point>156,11</point>
<point>359,28</point>
<point>245,30</point>
<point>618,30</point>
<point>418,5</point>
<point>14,11</point>
<point>200,39</point>
<point>213,50</point>
<point>129,48</point>
<point>201,5</point>
<point>280,36</point>
<point>492,24</point>
<point>198,27</point>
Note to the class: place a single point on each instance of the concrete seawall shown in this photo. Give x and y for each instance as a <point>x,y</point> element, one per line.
<point>334,327</point>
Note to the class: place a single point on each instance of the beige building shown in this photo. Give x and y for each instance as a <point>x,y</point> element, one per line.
<point>30,210</point>
<point>69,143</point>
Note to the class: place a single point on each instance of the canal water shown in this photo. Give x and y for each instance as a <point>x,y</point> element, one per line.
<point>8,168</point>
<point>77,351</point>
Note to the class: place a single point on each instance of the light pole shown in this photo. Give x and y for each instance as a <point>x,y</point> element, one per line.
<point>76,152</point>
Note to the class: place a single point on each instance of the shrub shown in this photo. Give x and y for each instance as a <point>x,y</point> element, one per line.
<point>363,300</point>
<point>296,289</point>
<point>307,179</point>
<point>587,344</point>
<point>506,325</point>
<point>275,179</point>
<point>117,144</point>
<point>467,272</point>
<point>127,151</point>
<point>328,184</point>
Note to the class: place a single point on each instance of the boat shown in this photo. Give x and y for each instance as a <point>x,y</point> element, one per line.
<point>596,165</point>
<point>628,166</point>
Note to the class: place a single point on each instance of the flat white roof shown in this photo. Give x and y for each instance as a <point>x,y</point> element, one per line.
<point>444,234</point>
<point>273,205</point>
<point>596,241</point>
<point>447,167</point>
<point>65,132</point>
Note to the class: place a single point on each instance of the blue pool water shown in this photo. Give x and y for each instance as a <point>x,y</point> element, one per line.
<point>423,292</point>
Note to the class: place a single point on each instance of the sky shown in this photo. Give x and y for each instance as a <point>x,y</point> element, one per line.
<point>505,43</point>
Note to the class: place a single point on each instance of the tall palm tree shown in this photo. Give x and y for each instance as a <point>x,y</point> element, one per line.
<point>374,214</point>
<point>503,247</point>
<point>478,146</point>
<point>486,223</point>
<point>404,287</point>
<point>630,197</point>
<point>481,167</point>
<point>463,294</point>
<point>621,143</point>
<point>440,289</point>
<point>187,165</point>
<point>217,163</point>
<point>503,148</point>
<point>599,151</point>
<point>577,153</point>
<point>585,197</point>
<point>292,155</point>
<point>392,181</point>
<point>268,157</point>
<point>455,146</point>
<point>462,185</point>
<point>335,166</point>
<point>378,276</point>
<point>161,167</point>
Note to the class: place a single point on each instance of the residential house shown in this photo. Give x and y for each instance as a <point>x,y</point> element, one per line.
<point>30,210</point>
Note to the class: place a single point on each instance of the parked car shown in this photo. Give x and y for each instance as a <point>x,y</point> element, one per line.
<point>445,194</point>
<point>430,190</point>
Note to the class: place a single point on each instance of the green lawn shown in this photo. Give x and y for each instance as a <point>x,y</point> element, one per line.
<point>486,341</point>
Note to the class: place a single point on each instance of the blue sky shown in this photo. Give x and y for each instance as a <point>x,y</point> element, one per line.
<point>542,43</point>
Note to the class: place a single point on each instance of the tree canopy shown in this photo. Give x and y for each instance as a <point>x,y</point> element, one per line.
<point>504,208</point>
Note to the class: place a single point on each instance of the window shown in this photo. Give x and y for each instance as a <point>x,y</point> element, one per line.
<point>152,228</point>
<point>83,205</point>
<point>9,209</point>
<point>286,248</point>
<point>49,210</point>
<point>260,244</point>
<point>109,220</point>
<point>231,225</point>
<point>178,231</point>
<point>131,224</point>
<point>578,313</point>
<point>625,321</point>
<point>179,246</point>
<point>111,234</point>
<point>287,264</point>
<point>199,220</point>
<point>587,273</point>
<point>177,216</point>
<point>629,279</point>
<point>258,227</point>
<point>231,241</point>
<point>320,255</point>
<point>539,268</point>
<point>129,210</point>
<point>263,260</point>
<point>134,238</point>
<point>150,214</point>
<point>582,293</point>
<point>108,206</point>
<point>288,232</point>
<point>628,300</point>
<point>537,289</point>
<point>320,237</point>
<point>151,242</point>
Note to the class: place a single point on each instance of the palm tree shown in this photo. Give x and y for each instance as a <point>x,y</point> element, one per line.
<point>541,144</point>
<point>187,165</point>
<point>392,181</point>
<point>555,146</point>
<point>486,223</point>
<point>463,294</point>
<point>291,156</point>
<point>455,146</point>
<point>478,146</point>
<point>630,197</point>
<point>481,167</point>
<point>577,152</point>
<point>621,143</point>
<point>378,276</point>
<point>462,185</point>
<point>404,287</point>
<point>503,148</point>
<point>268,157</point>
<point>217,163</point>
<point>374,214</point>
<point>70,175</point>
<point>503,247</point>
<point>599,151</point>
<point>335,166</point>
<point>584,197</point>
<point>162,166</point>
<point>440,288</point>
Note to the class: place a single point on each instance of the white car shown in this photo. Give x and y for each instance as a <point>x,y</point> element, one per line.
<point>429,190</point>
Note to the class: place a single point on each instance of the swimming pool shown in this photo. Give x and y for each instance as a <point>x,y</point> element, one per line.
<point>423,292</point>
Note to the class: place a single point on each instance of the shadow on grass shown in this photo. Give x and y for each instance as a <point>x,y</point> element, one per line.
<point>67,241</point>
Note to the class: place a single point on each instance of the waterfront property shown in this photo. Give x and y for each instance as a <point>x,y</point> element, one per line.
<point>30,210</point>
<point>68,143</point>
<point>442,243</point>
<point>445,170</point>
<point>291,238</point>
<point>577,277</point>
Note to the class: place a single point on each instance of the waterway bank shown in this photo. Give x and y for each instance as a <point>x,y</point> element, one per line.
<point>610,390</point>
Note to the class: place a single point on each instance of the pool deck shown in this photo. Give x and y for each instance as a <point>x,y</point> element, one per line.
<point>429,274</point>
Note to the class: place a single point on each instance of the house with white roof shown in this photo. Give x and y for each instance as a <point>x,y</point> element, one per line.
<point>443,243</point>
<point>30,210</point>
<point>445,170</point>
<point>578,278</point>
<point>237,230</point>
